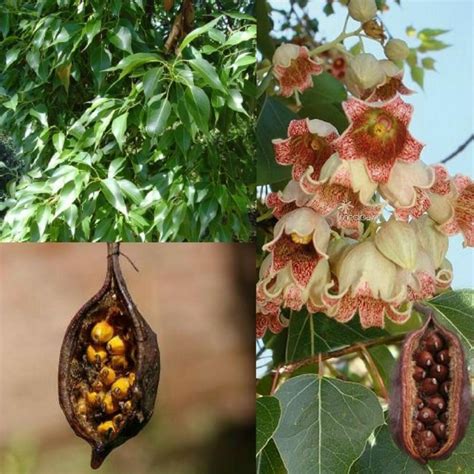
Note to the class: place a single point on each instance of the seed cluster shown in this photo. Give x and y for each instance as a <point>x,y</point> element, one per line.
<point>432,378</point>
<point>103,398</point>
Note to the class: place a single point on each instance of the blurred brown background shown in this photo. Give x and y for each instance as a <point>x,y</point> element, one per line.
<point>199,300</point>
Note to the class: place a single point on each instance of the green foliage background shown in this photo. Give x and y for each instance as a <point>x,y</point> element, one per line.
<point>121,140</point>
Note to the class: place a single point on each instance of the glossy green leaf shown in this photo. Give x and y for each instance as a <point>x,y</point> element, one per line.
<point>268,417</point>
<point>199,107</point>
<point>113,194</point>
<point>269,460</point>
<point>134,61</point>
<point>43,217</point>
<point>198,32</point>
<point>235,101</point>
<point>101,59</point>
<point>157,115</point>
<point>58,141</point>
<point>151,80</point>
<point>70,214</point>
<point>67,196</point>
<point>92,29</point>
<point>119,127</point>
<point>131,190</point>
<point>241,36</point>
<point>208,73</point>
<point>116,166</point>
<point>122,39</point>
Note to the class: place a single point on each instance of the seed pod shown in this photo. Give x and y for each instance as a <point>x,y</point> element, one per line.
<point>446,407</point>
<point>101,420</point>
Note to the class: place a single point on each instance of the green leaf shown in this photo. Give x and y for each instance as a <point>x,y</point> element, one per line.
<point>58,141</point>
<point>67,196</point>
<point>91,30</point>
<point>235,101</point>
<point>40,112</point>
<point>241,36</point>
<point>4,23</point>
<point>198,106</point>
<point>33,60</point>
<point>269,461</point>
<point>272,123</point>
<point>183,139</point>
<point>70,215</point>
<point>265,44</point>
<point>122,39</point>
<point>131,190</point>
<point>208,73</point>
<point>328,334</point>
<point>456,312</point>
<point>428,63</point>
<point>198,32</point>
<point>417,74</point>
<point>12,56</point>
<point>151,79</point>
<point>119,127</point>
<point>157,116</point>
<point>113,194</point>
<point>134,61</point>
<point>207,213</point>
<point>432,45</point>
<point>43,216</point>
<point>383,455</point>
<point>101,59</point>
<point>431,32</point>
<point>325,423</point>
<point>268,417</point>
<point>115,167</point>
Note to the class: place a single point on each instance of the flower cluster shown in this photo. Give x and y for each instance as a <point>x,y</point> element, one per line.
<point>363,225</point>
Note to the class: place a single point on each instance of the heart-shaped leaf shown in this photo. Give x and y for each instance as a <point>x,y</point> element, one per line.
<point>268,416</point>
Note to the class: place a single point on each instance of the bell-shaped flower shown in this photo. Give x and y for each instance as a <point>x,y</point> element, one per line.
<point>392,84</point>
<point>268,319</point>
<point>406,188</point>
<point>301,238</point>
<point>398,242</point>
<point>293,68</point>
<point>378,134</point>
<point>283,202</point>
<point>368,283</point>
<point>335,193</point>
<point>309,143</point>
<point>454,211</point>
<point>363,74</point>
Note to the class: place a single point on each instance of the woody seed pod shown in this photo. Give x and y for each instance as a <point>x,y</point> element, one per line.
<point>86,371</point>
<point>446,406</point>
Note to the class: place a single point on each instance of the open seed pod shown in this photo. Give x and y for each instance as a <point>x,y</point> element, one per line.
<point>109,367</point>
<point>430,401</point>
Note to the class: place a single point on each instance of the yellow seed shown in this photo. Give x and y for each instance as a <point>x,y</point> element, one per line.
<point>96,355</point>
<point>116,346</point>
<point>131,378</point>
<point>108,404</point>
<point>107,375</point>
<point>94,398</point>
<point>119,362</point>
<point>106,428</point>
<point>301,239</point>
<point>81,407</point>
<point>102,332</point>
<point>120,388</point>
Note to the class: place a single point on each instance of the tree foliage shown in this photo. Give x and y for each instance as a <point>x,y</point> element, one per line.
<point>122,138</point>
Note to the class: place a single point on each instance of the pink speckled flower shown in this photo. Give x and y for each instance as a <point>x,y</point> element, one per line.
<point>370,284</point>
<point>300,240</point>
<point>293,68</point>
<point>334,193</point>
<point>454,211</point>
<point>309,143</point>
<point>379,135</point>
<point>406,189</point>
<point>283,202</point>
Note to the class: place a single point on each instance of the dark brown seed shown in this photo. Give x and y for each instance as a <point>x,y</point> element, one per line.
<point>428,438</point>
<point>443,357</point>
<point>436,403</point>
<point>424,359</point>
<point>434,342</point>
<point>419,374</point>
<point>439,429</point>
<point>97,417</point>
<point>429,386</point>
<point>427,415</point>
<point>439,372</point>
<point>419,409</point>
<point>444,389</point>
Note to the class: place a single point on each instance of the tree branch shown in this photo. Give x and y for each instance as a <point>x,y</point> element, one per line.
<point>318,358</point>
<point>458,150</point>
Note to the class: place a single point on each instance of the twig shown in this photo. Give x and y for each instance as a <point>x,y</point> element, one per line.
<point>459,149</point>
<point>289,368</point>
<point>373,371</point>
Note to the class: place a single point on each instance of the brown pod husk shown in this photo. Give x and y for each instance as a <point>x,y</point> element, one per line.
<point>445,401</point>
<point>107,416</point>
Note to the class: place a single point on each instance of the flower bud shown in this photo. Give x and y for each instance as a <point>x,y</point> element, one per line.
<point>362,10</point>
<point>363,73</point>
<point>396,50</point>
<point>431,239</point>
<point>397,241</point>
